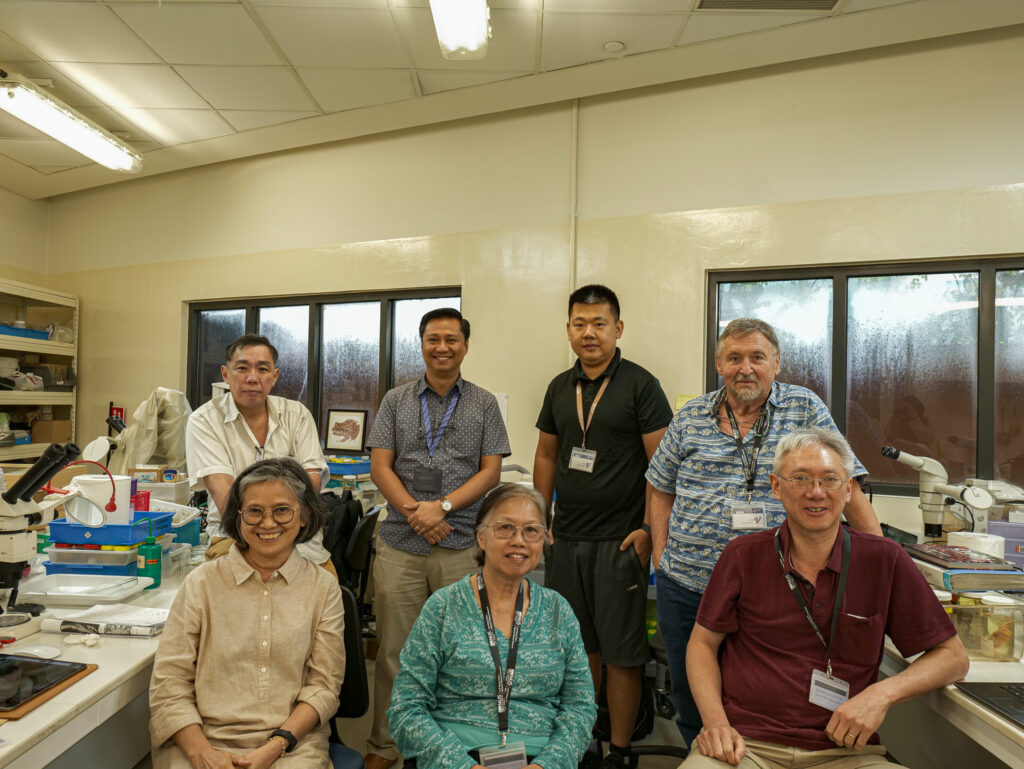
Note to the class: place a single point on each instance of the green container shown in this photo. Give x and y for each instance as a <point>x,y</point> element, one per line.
<point>149,559</point>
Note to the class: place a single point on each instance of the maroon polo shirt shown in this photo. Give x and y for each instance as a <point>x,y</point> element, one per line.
<point>769,648</point>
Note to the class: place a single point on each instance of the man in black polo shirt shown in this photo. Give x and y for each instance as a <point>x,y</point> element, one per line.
<point>600,423</point>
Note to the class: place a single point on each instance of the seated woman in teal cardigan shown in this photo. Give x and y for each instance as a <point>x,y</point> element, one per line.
<point>445,702</point>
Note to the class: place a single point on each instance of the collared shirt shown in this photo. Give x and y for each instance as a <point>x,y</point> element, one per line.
<point>237,654</point>
<point>474,431</point>
<point>609,502</point>
<point>770,649</point>
<point>218,440</point>
<point>701,466</point>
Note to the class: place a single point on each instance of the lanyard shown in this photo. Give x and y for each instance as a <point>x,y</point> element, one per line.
<point>593,406</point>
<point>504,679</point>
<point>433,442</point>
<point>760,430</point>
<point>844,570</point>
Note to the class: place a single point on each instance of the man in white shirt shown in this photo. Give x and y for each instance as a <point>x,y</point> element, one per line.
<point>231,431</point>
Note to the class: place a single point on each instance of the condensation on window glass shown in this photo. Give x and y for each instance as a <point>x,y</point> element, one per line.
<point>216,329</point>
<point>405,341</point>
<point>350,351</point>
<point>800,311</point>
<point>912,363</point>
<point>1009,375</point>
<point>287,328</point>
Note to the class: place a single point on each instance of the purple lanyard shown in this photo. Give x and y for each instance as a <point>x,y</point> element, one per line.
<point>434,441</point>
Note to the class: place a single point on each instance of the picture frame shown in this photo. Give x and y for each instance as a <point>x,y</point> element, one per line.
<point>346,430</point>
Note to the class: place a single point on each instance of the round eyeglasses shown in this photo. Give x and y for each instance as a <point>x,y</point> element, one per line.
<point>280,513</point>
<point>805,482</point>
<point>532,532</point>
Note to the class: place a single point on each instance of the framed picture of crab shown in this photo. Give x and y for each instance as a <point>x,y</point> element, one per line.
<point>346,430</point>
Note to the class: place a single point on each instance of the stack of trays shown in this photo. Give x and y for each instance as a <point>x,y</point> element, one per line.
<point>107,550</point>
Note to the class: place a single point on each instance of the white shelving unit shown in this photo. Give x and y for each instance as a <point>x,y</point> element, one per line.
<point>37,306</point>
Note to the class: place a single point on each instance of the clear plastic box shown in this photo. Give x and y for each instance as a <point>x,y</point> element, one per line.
<point>73,555</point>
<point>992,630</point>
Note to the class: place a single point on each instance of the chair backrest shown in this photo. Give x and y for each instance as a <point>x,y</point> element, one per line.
<point>357,554</point>
<point>355,691</point>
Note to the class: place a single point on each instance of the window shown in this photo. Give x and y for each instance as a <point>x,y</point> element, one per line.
<point>927,357</point>
<point>335,352</point>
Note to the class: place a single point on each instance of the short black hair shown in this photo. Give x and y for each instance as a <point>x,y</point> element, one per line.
<point>289,472</point>
<point>444,312</point>
<point>594,293</point>
<point>249,340</point>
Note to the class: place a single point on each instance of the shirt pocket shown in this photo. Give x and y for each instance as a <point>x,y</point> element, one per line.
<point>858,639</point>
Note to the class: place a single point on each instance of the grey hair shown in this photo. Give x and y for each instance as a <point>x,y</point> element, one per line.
<point>503,494</point>
<point>743,326</point>
<point>808,437</point>
<point>290,473</point>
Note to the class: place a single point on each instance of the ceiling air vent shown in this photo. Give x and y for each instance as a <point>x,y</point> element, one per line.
<point>766,5</point>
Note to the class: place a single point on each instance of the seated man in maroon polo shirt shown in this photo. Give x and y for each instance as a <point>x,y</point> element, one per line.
<point>799,615</point>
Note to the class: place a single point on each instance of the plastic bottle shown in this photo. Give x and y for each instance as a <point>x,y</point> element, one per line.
<point>149,559</point>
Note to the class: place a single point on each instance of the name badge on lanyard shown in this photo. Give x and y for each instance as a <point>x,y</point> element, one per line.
<point>581,458</point>
<point>749,517</point>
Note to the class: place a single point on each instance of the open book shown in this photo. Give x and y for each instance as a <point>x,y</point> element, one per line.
<point>113,619</point>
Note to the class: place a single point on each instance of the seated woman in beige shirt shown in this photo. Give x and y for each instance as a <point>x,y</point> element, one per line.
<point>251,661</point>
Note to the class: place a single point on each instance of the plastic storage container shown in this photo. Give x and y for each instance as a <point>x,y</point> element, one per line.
<point>124,570</point>
<point>176,562</point>
<point>113,534</point>
<point>189,533</point>
<point>74,555</point>
<point>992,629</point>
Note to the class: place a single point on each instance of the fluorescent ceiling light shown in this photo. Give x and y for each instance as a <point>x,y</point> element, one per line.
<point>27,102</point>
<point>463,27</point>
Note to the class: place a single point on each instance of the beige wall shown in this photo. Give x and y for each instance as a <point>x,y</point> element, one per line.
<point>23,246</point>
<point>914,155</point>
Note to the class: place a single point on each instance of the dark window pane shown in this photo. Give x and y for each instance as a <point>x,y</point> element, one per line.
<point>800,311</point>
<point>216,329</point>
<point>1009,370</point>
<point>350,335</point>
<point>405,340</point>
<point>287,328</point>
<point>912,363</point>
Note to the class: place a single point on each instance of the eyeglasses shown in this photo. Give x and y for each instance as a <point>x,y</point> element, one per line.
<point>532,532</point>
<point>281,514</point>
<point>805,482</point>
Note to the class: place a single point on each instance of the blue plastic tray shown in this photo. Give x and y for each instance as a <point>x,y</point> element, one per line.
<point>359,466</point>
<point>124,570</point>
<point>64,531</point>
<point>31,333</point>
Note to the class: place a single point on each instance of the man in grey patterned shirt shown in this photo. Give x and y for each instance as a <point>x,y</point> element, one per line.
<point>435,450</point>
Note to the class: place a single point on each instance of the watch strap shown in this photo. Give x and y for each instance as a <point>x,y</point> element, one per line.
<point>287,736</point>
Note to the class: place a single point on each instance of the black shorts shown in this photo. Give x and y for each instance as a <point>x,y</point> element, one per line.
<point>607,589</point>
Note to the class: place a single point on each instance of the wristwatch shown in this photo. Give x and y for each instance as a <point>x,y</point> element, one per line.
<point>446,505</point>
<point>287,737</point>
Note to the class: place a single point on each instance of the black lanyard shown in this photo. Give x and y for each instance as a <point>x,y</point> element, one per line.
<point>844,570</point>
<point>761,428</point>
<point>504,678</point>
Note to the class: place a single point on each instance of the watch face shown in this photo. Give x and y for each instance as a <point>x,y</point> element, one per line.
<point>446,506</point>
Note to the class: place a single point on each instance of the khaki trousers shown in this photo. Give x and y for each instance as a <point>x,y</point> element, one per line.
<point>771,755</point>
<point>403,582</point>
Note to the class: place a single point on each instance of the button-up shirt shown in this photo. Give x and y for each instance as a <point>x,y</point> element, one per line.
<point>474,431</point>
<point>701,466</point>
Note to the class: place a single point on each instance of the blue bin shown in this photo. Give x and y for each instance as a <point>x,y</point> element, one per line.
<point>65,532</point>
<point>189,533</point>
<point>104,569</point>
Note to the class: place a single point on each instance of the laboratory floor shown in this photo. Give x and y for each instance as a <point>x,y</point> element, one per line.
<point>354,732</point>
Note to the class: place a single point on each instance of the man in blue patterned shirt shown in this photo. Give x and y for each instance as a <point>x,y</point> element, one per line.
<point>709,480</point>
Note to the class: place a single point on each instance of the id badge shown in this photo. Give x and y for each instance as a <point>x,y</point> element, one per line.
<point>427,480</point>
<point>749,517</point>
<point>511,756</point>
<point>582,459</point>
<point>828,691</point>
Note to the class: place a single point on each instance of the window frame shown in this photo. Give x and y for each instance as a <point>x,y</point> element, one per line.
<point>839,275</point>
<point>252,306</point>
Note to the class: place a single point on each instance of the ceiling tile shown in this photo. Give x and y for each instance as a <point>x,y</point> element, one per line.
<point>519,5</point>
<point>243,120</point>
<point>247,88</point>
<point>134,85</point>
<point>707,25</point>
<point>64,88</point>
<point>436,80</point>
<point>200,34</point>
<point>578,38</point>
<point>11,52</point>
<point>178,126</point>
<point>72,32</point>
<point>336,37</point>
<point>623,6</point>
<point>852,6</point>
<point>34,152</point>
<point>47,170</point>
<point>511,48</point>
<point>340,89</point>
<point>326,3</point>
<point>116,123</point>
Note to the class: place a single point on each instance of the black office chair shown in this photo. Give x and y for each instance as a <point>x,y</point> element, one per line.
<point>358,557</point>
<point>355,691</point>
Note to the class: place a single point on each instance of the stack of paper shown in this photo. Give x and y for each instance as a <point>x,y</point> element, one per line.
<point>112,619</point>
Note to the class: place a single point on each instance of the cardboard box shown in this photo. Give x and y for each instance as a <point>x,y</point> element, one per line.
<point>51,431</point>
<point>148,473</point>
